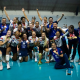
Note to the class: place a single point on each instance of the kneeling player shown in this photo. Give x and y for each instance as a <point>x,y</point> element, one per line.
<point>60,58</point>
<point>23,48</point>
<point>3,45</point>
<point>13,42</point>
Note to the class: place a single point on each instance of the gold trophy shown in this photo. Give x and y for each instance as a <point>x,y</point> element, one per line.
<point>40,55</point>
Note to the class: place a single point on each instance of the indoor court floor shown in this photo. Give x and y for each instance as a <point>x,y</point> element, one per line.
<point>32,71</point>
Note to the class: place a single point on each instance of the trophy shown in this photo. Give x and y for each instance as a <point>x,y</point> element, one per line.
<point>40,55</point>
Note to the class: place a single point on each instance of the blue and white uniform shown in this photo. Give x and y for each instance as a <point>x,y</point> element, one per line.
<point>23,48</point>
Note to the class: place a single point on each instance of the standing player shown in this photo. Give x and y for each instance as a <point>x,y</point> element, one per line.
<point>24,24</point>
<point>29,30</point>
<point>58,40</point>
<point>78,42</point>
<point>44,44</point>
<point>52,31</point>
<point>33,19</point>
<point>33,45</point>
<point>20,29</point>
<point>13,23</point>
<point>23,48</point>
<point>3,45</point>
<point>72,40</point>
<point>60,58</point>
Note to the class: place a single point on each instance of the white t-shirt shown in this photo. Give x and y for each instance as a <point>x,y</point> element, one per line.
<point>14,42</point>
<point>42,41</point>
<point>16,29</point>
<point>3,39</point>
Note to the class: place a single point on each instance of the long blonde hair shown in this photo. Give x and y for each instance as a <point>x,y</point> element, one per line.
<point>45,41</point>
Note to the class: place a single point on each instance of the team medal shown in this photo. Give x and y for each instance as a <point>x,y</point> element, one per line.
<point>24,26</point>
<point>4,26</point>
<point>20,33</point>
<point>54,51</point>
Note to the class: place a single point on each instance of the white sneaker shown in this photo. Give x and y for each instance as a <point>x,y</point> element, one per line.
<point>46,59</point>
<point>71,61</point>
<point>1,67</point>
<point>8,66</point>
<point>35,59</point>
<point>79,63</point>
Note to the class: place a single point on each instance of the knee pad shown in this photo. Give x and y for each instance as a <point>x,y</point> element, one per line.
<point>7,57</point>
<point>20,58</point>
<point>0,57</point>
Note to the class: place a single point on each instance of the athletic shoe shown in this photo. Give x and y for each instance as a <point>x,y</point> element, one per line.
<point>71,61</point>
<point>1,67</point>
<point>78,60</point>
<point>79,63</point>
<point>69,71</point>
<point>8,66</point>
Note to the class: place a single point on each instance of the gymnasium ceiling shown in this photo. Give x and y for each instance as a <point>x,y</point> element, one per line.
<point>47,5</point>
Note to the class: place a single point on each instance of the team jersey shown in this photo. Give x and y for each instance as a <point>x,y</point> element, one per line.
<point>75,33</point>
<point>24,44</point>
<point>12,25</point>
<point>24,25</point>
<point>3,39</point>
<point>29,31</point>
<point>5,31</point>
<point>42,41</point>
<point>14,41</point>
<point>52,32</point>
<point>78,35</point>
<point>16,29</point>
<point>56,57</point>
<point>33,25</point>
<point>58,41</point>
<point>43,25</point>
<point>38,29</point>
<point>31,40</point>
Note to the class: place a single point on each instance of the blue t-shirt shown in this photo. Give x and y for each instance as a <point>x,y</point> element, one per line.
<point>29,32</point>
<point>56,57</point>
<point>52,31</point>
<point>75,33</point>
<point>6,29</point>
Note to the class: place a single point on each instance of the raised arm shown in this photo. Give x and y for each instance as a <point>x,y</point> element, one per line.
<point>39,15</point>
<point>60,18</point>
<point>25,14</point>
<point>6,13</point>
